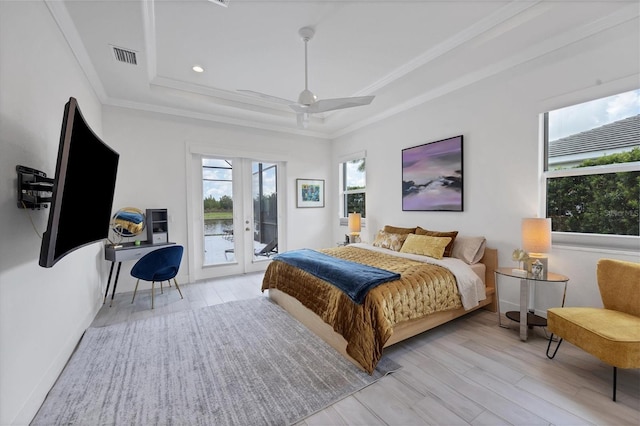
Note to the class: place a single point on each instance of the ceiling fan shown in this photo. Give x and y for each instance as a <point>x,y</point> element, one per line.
<point>308,103</point>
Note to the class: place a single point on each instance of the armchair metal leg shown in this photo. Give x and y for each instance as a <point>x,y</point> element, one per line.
<point>615,376</point>
<point>549,346</point>
<point>134,291</point>
<point>153,285</point>
<point>615,369</point>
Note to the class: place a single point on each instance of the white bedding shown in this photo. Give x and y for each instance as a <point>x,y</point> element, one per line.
<point>470,287</point>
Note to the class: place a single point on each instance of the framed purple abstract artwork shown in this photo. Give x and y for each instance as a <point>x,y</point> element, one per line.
<point>432,176</point>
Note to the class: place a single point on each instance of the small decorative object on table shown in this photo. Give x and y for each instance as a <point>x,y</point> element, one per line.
<point>537,270</point>
<point>520,256</point>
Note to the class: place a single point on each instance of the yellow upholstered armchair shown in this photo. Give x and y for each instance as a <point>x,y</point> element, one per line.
<point>612,333</point>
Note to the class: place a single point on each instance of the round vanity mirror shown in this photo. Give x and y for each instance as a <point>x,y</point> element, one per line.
<point>128,222</point>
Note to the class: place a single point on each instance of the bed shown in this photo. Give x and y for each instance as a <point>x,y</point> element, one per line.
<point>426,295</point>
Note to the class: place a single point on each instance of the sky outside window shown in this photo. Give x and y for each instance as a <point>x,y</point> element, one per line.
<point>589,115</point>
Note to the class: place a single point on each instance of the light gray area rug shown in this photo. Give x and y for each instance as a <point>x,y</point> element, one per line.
<point>239,363</point>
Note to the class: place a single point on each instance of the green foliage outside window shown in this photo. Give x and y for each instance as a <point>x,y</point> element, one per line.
<point>605,203</point>
<point>356,204</point>
<point>224,204</point>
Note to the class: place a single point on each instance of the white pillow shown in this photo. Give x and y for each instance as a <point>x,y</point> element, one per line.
<point>468,249</point>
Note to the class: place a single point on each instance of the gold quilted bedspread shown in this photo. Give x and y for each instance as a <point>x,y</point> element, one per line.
<point>421,290</point>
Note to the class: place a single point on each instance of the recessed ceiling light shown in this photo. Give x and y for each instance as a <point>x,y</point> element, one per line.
<point>224,3</point>
<point>197,68</point>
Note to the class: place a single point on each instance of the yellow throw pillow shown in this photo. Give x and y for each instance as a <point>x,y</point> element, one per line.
<point>449,249</point>
<point>389,240</point>
<point>425,245</point>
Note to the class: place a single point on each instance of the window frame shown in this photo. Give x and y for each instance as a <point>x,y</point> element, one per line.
<point>343,193</point>
<point>587,241</point>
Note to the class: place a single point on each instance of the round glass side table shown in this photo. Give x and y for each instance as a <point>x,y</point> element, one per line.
<point>526,318</point>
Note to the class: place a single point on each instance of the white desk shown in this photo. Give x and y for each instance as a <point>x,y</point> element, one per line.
<point>122,252</point>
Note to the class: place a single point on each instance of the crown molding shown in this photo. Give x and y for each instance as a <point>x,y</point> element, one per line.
<point>60,14</point>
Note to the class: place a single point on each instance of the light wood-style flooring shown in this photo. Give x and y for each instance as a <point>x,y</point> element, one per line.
<point>467,372</point>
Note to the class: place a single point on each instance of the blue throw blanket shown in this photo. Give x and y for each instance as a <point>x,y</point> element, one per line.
<point>355,279</point>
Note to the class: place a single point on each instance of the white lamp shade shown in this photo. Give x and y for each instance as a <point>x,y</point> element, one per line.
<point>354,223</point>
<point>536,235</point>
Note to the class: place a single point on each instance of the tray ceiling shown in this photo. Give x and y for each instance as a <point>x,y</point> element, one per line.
<point>403,52</point>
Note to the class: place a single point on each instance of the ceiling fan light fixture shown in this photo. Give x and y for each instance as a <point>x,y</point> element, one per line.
<point>223,3</point>
<point>303,120</point>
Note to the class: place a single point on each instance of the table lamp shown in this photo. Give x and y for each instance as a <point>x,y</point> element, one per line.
<point>536,239</point>
<point>354,226</point>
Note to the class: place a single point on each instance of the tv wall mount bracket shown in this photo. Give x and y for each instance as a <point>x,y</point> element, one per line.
<point>34,188</point>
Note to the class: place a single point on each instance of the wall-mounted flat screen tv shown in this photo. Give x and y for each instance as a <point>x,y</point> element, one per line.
<point>83,189</point>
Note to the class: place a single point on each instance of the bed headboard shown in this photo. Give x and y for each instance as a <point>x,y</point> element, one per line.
<point>490,261</point>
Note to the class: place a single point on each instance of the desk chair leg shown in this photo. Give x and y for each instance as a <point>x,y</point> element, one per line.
<point>549,346</point>
<point>134,291</point>
<point>161,290</point>
<point>178,287</point>
<point>153,285</point>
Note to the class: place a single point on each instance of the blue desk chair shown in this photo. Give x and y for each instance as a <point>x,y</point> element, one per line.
<point>158,266</point>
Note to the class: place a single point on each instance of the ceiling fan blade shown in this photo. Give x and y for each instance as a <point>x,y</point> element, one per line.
<point>324,105</point>
<point>268,97</point>
<point>307,103</point>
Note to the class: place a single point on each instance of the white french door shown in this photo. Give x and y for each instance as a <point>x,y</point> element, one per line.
<point>235,219</point>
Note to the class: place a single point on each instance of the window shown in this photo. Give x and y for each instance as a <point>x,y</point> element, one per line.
<point>592,166</point>
<point>353,181</point>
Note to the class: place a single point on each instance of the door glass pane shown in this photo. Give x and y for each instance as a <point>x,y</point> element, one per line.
<point>217,185</point>
<point>265,209</point>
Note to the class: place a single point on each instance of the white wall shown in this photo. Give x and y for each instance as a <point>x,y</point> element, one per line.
<point>498,118</point>
<point>43,312</point>
<point>152,171</point>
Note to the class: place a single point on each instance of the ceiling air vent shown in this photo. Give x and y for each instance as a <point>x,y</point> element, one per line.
<point>124,55</point>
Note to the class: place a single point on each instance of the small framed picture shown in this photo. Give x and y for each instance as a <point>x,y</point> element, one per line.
<point>537,270</point>
<point>310,192</point>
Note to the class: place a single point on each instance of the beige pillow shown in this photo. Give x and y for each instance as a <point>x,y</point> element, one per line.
<point>469,249</point>
<point>451,234</point>
<point>389,240</point>
<point>397,230</point>
<point>425,245</point>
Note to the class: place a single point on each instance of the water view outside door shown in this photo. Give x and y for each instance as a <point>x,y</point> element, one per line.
<point>217,184</point>
<point>217,188</point>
